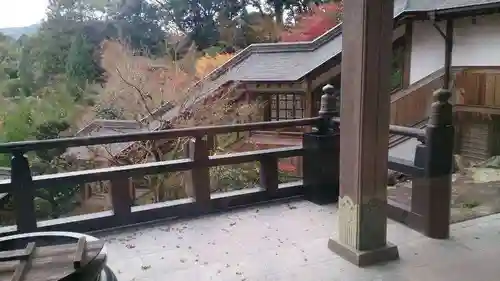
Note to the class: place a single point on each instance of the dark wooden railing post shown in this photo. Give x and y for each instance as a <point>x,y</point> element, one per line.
<point>269,173</point>
<point>211,143</point>
<point>321,155</point>
<point>420,190</point>
<point>199,187</point>
<point>438,164</point>
<point>24,193</point>
<point>121,198</point>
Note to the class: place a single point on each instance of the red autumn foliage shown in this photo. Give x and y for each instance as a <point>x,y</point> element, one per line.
<point>314,23</point>
<point>287,167</point>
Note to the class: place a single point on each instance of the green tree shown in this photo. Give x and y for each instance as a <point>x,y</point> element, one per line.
<point>139,23</point>
<point>59,196</point>
<point>199,19</point>
<point>9,56</point>
<point>43,117</point>
<point>80,67</point>
<point>26,77</point>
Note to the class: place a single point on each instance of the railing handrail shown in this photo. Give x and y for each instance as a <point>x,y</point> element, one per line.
<point>32,145</point>
<point>417,133</point>
<point>185,164</point>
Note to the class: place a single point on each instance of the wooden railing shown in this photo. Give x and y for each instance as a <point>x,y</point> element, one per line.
<point>22,184</point>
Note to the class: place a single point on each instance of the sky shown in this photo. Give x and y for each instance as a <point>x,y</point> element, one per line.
<point>18,13</point>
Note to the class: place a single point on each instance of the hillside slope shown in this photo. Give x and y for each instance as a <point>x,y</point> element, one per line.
<point>16,32</point>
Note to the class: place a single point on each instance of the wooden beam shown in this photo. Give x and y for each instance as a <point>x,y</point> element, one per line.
<point>326,76</point>
<point>477,109</point>
<point>367,53</point>
<point>407,54</point>
<point>309,102</point>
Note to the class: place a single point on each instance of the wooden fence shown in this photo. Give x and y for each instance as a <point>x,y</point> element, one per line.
<point>22,184</point>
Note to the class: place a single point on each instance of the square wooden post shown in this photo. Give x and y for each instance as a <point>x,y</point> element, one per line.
<point>364,133</point>
<point>321,157</point>
<point>24,193</point>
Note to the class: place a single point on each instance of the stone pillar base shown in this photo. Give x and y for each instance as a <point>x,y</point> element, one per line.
<point>364,258</point>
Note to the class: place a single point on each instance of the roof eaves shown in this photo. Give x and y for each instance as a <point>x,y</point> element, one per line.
<point>96,124</point>
<point>469,8</point>
<point>87,129</point>
<point>448,9</point>
<point>123,124</point>
<point>275,48</point>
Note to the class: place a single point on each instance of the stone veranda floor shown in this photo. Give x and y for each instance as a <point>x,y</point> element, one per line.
<point>288,241</point>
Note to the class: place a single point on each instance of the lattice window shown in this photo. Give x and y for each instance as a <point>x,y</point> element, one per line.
<point>286,106</point>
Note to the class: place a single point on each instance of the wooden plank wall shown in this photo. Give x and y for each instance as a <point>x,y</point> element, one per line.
<point>479,87</point>
<point>413,105</point>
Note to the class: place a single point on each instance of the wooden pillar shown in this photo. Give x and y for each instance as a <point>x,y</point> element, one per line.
<point>308,99</point>
<point>121,199</point>
<point>308,103</point>
<point>408,37</point>
<point>198,185</point>
<point>364,133</point>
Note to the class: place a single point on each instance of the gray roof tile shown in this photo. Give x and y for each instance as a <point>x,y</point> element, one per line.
<point>284,66</point>
<point>430,5</point>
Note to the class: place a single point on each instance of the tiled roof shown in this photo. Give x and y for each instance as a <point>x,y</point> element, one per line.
<point>100,127</point>
<point>437,5</point>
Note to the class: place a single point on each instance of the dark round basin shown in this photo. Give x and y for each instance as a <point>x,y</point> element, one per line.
<point>95,268</point>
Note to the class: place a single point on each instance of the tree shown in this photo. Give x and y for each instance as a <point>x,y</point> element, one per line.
<point>314,23</point>
<point>80,66</point>
<point>259,28</point>
<point>44,117</point>
<point>139,85</point>
<point>139,23</point>
<point>207,63</point>
<point>26,76</point>
<point>53,161</point>
<point>66,19</point>
<point>195,18</point>
<point>200,19</point>
<point>9,56</point>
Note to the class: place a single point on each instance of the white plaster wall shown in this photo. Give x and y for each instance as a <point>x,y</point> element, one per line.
<point>427,51</point>
<point>474,45</point>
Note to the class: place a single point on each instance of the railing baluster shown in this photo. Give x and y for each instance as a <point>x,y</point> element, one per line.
<point>24,193</point>
<point>211,143</point>
<point>120,197</point>
<point>269,173</point>
<point>420,190</point>
<point>199,187</point>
